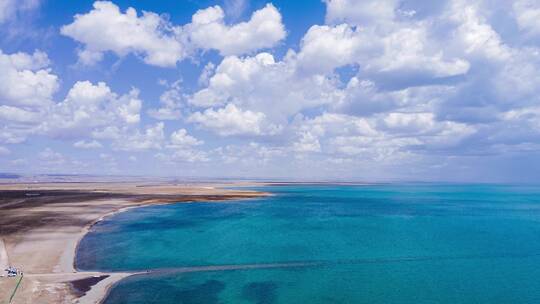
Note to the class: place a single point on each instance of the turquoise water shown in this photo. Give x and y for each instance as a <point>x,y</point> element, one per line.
<point>371,244</point>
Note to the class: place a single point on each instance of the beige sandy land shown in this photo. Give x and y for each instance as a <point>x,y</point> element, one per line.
<point>41,225</point>
<point>4,261</point>
<point>99,290</point>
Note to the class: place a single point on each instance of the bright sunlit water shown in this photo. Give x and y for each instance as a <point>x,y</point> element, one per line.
<point>372,244</point>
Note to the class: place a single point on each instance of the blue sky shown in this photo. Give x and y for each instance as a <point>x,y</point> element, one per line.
<point>335,89</point>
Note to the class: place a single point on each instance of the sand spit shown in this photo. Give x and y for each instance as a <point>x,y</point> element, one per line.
<point>41,225</point>
<point>4,261</point>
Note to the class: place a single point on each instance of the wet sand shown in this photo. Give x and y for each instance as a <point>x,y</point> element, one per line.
<point>41,225</point>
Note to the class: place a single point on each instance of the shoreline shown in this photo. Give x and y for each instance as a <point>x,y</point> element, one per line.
<point>101,289</point>
<point>88,227</point>
<point>43,224</point>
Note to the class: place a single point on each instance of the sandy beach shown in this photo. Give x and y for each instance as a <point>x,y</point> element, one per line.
<point>41,225</point>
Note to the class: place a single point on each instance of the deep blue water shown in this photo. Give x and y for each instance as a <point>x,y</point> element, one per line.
<point>372,244</point>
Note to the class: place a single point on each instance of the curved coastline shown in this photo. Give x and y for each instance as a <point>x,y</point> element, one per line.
<point>98,293</point>
<point>46,249</point>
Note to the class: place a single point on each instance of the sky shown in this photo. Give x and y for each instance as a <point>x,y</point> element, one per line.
<point>360,90</point>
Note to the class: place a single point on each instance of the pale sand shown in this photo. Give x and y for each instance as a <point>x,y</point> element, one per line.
<point>4,261</point>
<point>40,233</point>
<point>99,290</point>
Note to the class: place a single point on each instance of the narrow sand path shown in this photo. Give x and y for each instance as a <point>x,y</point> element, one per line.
<point>97,292</point>
<point>4,261</point>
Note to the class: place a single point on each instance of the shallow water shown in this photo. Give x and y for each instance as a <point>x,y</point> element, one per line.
<point>372,244</point>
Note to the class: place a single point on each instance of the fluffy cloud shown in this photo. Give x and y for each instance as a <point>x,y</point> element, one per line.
<point>401,49</point>
<point>409,49</point>
<point>27,106</point>
<point>527,14</point>
<point>181,138</point>
<point>231,120</point>
<point>250,154</point>
<point>13,134</point>
<point>26,80</point>
<point>18,115</point>
<point>325,48</point>
<point>171,104</point>
<point>260,84</point>
<point>87,144</point>
<point>382,84</point>
<point>88,107</point>
<point>106,28</point>
<point>504,76</point>
<point>385,136</point>
<point>182,149</point>
<point>362,97</point>
<point>158,42</point>
<point>27,86</point>
<point>402,54</point>
<point>474,34</point>
<point>151,138</point>
<point>425,128</point>
<point>307,143</point>
<point>231,74</point>
<point>182,156</point>
<point>209,31</point>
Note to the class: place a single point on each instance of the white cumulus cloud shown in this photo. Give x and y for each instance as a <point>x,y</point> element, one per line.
<point>152,137</point>
<point>232,120</point>
<point>26,80</point>
<point>88,107</point>
<point>209,31</point>
<point>181,138</point>
<point>159,42</point>
<point>106,28</point>
<point>527,14</point>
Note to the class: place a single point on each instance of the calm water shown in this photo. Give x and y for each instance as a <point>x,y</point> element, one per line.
<point>372,244</point>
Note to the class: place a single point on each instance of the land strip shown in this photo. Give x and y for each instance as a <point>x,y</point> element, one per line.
<point>41,225</point>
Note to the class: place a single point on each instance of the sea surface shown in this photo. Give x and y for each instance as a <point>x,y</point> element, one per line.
<point>409,243</point>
